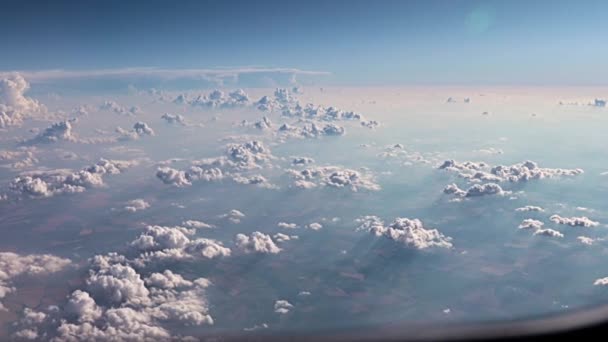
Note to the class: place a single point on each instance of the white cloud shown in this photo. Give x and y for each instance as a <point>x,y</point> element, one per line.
<point>585,240</point>
<point>139,129</point>
<point>601,282</point>
<point>118,109</point>
<point>233,216</point>
<point>282,306</point>
<point>14,105</point>
<point>175,243</point>
<point>332,176</point>
<point>302,161</point>
<point>197,224</point>
<point>409,232</point>
<point>175,119</point>
<point>40,184</point>
<point>549,232</point>
<point>14,265</point>
<point>574,221</point>
<point>216,99</point>
<point>314,226</point>
<point>280,237</point>
<point>476,190</point>
<point>286,225</point>
<point>531,224</point>
<point>256,242</point>
<point>528,170</point>
<point>136,205</point>
<point>122,304</point>
<point>530,208</point>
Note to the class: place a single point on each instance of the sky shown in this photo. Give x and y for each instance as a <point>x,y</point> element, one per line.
<point>358,42</point>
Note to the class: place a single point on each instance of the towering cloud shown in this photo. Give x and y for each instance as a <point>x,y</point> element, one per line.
<point>410,233</point>
<point>14,105</point>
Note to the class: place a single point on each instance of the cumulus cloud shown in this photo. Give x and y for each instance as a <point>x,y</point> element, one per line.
<point>310,130</point>
<point>175,243</point>
<point>175,119</point>
<point>139,129</point>
<point>332,176</point>
<point>410,233</point>
<point>136,205</point>
<point>40,184</point>
<point>256,242</point>
<point>371,124</point>
<point>13,265</point>
<point>122,304</point>
<point>582,221</point>
<point>239,159</point>
<point>14,105</point>
<point>197,224</point>
<point>286,225</point>
<point>59,131</point>
<point>234,216</point>
<point>302,161</point>
<point>601,282</point>
<point>216,99</point>
<point>280,237</point>
<point>476,190</point>
<point>118,109</point>
<point>585,240</point>
<point>530,208</point>
<point>282,306</point>
<point>531,224</point>
<point>549,232</point>
<point>314,226</point>
<point>23,157</point>
<point>522,172</point>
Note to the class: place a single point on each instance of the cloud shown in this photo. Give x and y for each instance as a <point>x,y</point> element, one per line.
<point>582,221</point>
<point>314,226</point>
<point>59,131</point>
<point>371,124</point>
<point>223,73</point>
<point>332,176</point>
<point>173,177</point>
<point>601,282</point>
<point>549,232</point>
<point>139,129</point>
<point>118,109</point>
<point>521,172</point>
<point>175,119</point>
<point>410,233</point>
<point>302,161</point>
<point>585,240</point>
<point>310,130</point>
<point>175,243</point>
<point>216,99</point>
<point>40,184</point>
<point>256,242</point>
<point>476,190</point>
<point>530,208</point>
<point>197,224</point>
<point>14,105</point>
<point>136,205</point>
<point>282,306</point>
<point>239,158</point>
<point>13,265</point>
<point>233,216</point>
<point>280,237</point>
<point>286,225</point>
<point>531,224</point>
<point>123,304</point>
<point>23,157</point>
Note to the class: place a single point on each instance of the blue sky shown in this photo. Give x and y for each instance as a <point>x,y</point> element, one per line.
<point>359,42</point>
